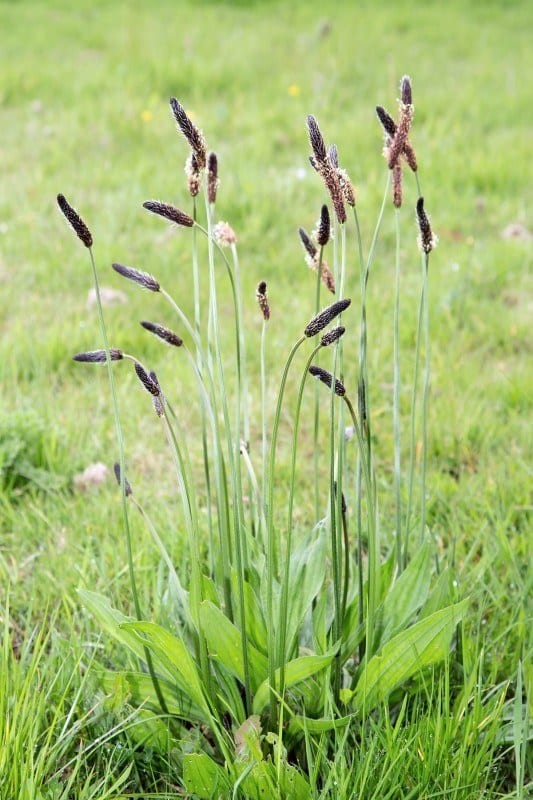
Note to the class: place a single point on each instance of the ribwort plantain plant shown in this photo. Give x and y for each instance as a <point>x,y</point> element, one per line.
<point>282,634</point>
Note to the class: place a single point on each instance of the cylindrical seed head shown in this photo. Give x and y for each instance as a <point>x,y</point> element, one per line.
<point>165,334</point>
<point>189,130</point>
<point>316,140</point>
<point>262,299</point>
<point>144,279</point>
<point>324,317</point>
<point>427,241</point>
<point>151,385</point>
<point>308,245</point>
<point>75,221</point>
<point>169,212</point>
<point>212,177</point>
<point>332,336</point>
<point>397,195</point>
<point>406,91</point>
<point>402,132</point>
<point>323,229</point>
<point>98,356</point>
<point>193,175</point>
<point>327,378</point>
<point>387,122</point>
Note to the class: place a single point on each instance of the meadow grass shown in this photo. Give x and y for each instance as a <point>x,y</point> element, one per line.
<point>84,107</point>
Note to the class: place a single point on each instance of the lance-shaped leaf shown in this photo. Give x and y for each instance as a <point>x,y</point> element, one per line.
<point>424,643</point>
<point>296,671</point>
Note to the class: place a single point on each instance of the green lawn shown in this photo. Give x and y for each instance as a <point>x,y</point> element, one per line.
<point>84,94</point>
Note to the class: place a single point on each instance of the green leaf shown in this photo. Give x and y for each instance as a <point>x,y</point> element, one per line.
<point>203,778</point>
<point>424,643</point>
<point>296,671</point>
<point>307,574</point>
<point>111,621</point>
<point>172,653</point>
<point>309,725</point>
<point>255,620</point>
<point>407,595</point>
<point>224,641</point>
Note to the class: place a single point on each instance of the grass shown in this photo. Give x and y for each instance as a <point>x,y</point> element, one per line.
<point>84,104</point>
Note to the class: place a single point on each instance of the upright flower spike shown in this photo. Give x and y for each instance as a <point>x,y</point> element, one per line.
<point>262,299</point>
<point>75,221</point>
<point>402,132</point>
<point>397,195</point>
<point>323,228</point>
<point>188,129</point>
<point>321,162</point>
<point>212,177</point>
<point>427,241</point>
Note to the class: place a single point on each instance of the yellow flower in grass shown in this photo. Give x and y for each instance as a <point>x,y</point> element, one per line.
<point>146,115</point>
<point>294,90</point>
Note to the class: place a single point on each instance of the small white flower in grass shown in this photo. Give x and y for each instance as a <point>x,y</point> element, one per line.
<point>224,235</point>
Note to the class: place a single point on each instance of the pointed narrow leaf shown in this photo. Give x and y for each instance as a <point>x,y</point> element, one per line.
<point>320,725</point>
<point>224,641</point>
<point>173,653</point>
<point>203,778</point>
<point>424,643</point>
<point>296,671</point>
<point>407,594</point>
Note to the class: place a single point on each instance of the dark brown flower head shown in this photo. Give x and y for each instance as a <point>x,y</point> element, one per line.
<point>189,130</point>
<point>127,487</point>
<point>165,334</point>
<point>144,279</point>
<point>323,228</point>
<point>192,172</point>
<point>387,122</point>
<point>98,356</point>
<point>315,138</point>
<point>75,221</point>
<point>327,315</point>
<point>169,212</point>
<point>327,378</point>
<point>212,177</point>
<point>427,241</point>
<point>147,381</point>
<point>397,184</point>
<point>308,245</point>
<point>402,132</point>
<point>262,299</point>
<point>406,91</point>
<point>410,157</point>
<point>332,336</point>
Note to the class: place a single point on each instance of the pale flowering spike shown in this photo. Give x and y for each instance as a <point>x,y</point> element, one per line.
<point>192,172</point>
<point>402,132</point>
<point>144,279</point>
<point>224,235</point>
<point>397,185</point>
